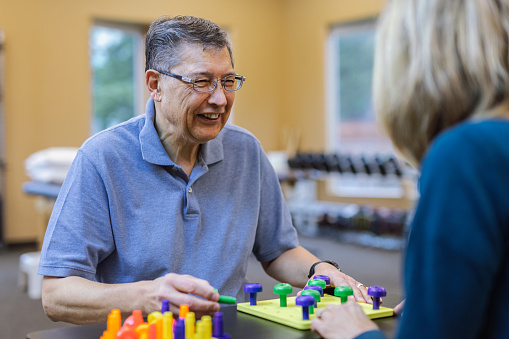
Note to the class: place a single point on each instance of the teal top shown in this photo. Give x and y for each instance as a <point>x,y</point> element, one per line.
<point>456,269</point>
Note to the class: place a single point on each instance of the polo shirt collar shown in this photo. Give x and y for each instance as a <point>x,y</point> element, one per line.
<point>212,151</point>
<point>152,149</point>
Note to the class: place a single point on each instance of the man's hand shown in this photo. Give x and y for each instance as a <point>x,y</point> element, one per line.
<point>293,266</point>
<point>184,289</point>
<point>398,310</point>
<point>342,321</point>
<point>337,278</point>
<point>81,301</point>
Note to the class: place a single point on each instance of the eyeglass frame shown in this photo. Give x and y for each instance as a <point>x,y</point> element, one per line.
<point>192,81</point>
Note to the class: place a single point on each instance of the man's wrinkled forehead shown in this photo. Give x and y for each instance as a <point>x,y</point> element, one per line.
<point>199,53</point>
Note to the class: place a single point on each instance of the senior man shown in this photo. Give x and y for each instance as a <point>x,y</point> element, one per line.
<point>170,204</point>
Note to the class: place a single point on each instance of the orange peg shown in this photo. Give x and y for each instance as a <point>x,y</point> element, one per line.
<point>127,333</point>
<point>114,321</point>
<point>152,331</point>
<point>184,310</point>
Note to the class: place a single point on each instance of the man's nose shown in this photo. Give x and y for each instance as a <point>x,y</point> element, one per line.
<point>218,96</point>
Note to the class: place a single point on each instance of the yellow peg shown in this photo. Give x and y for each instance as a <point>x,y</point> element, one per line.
<point>142,331</point>
<point>153,316</point>
<point>190,324</point>
<point>200,330</point>
<point>207,326</point>
<point>168,325</point>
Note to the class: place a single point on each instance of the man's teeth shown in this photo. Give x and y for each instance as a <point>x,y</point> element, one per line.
<point>211,115</point>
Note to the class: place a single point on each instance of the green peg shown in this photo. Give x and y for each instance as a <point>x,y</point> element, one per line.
<point>343,292</point>
<point>283,290</point>
<point>225,299</point>
<point>318,282</point>
<point>315,294</point>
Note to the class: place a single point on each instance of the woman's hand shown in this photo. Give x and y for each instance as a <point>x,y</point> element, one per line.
<point>342,321</point>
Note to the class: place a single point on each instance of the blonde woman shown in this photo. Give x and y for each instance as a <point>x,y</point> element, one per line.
<point>441,90</point>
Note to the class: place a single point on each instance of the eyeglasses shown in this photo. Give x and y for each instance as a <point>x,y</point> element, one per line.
<point>205,84</point>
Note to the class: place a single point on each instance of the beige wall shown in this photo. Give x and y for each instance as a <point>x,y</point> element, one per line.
<point>306,28</point>
<point>278,44</point>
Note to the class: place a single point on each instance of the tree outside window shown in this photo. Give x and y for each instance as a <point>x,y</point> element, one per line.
<point>115,64</point>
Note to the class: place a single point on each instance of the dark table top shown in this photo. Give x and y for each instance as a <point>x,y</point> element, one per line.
<point>237,324</point>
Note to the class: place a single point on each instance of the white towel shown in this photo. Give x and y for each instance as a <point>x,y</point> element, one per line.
<point>50,165</point>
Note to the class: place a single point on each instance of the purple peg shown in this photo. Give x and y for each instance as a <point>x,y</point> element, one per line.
<point>305,301</point>
<point>252,289</point>
<point>376,292</point>
<point>166,306</point>
<point>218,324</point>
<point>179,329</point>
<point>324,278</point>
<point>315,287</point>
<point>218,331</point>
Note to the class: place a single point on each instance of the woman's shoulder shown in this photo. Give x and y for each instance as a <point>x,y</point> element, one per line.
<point>479,138</point>
<point>478,126</point>
<point>471,149</point>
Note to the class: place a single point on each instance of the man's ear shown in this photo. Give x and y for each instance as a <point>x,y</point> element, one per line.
<point>152,81</point>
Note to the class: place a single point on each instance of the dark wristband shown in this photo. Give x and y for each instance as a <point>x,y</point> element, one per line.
<point>330,262</point>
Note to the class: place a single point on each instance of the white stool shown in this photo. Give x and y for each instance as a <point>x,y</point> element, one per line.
<point>27,277</point>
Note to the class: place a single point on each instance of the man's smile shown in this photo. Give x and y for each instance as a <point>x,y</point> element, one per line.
<point>210,116</point>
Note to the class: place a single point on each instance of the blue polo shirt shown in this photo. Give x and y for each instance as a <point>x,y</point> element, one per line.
<point>127,213</point>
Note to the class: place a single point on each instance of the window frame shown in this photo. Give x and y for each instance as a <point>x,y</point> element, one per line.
<point>141,93</point>
<point>357,186</point>
<point>332,69</point>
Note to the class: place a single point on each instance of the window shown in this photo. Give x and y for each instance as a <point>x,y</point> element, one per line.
<point>117,64</point>
<point>351,120</point>
<point>351,54</point>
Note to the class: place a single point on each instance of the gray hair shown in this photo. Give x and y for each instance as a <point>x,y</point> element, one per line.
<point>438,63</point>
<point>166,36</point>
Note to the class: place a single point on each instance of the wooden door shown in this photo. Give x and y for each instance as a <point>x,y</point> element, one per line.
<point>2,140</point>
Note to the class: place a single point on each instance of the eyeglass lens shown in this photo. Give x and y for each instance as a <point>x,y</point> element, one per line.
<point>207,84</point>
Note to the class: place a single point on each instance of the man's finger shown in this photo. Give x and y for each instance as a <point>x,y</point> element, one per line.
<point>192,285</point>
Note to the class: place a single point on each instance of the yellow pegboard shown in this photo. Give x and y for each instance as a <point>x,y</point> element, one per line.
<point>292,314</point>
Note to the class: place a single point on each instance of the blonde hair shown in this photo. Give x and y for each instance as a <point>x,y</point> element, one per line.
<point>437,63</point>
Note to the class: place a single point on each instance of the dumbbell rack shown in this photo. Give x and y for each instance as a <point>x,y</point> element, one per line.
<point>357,219</point>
